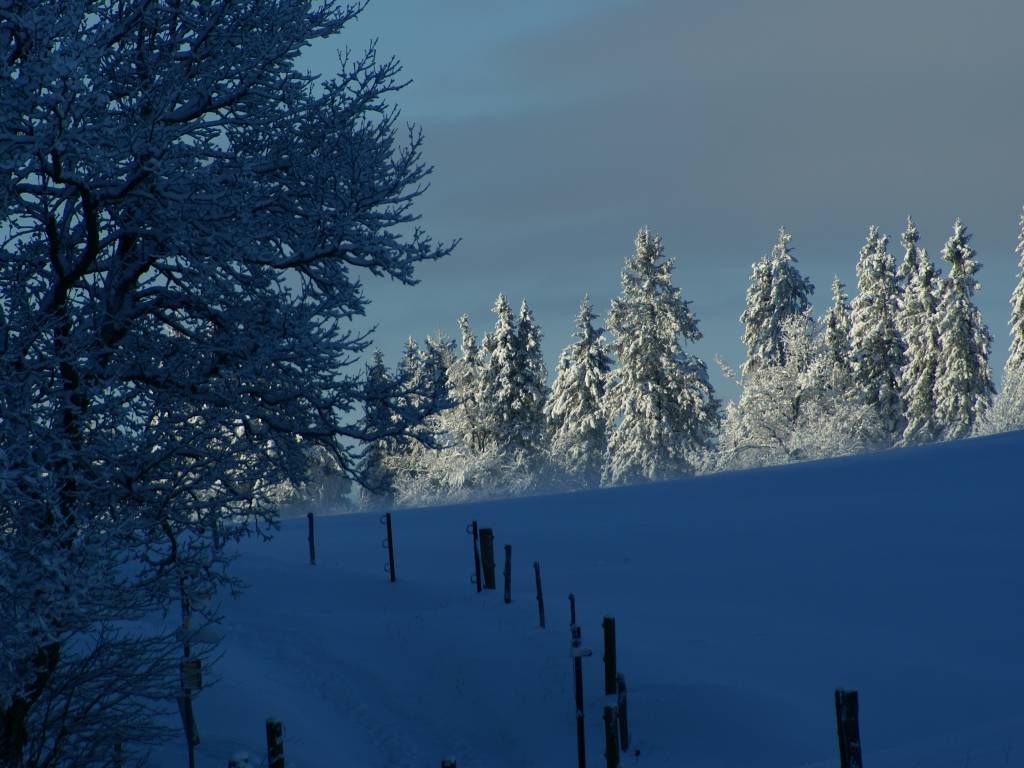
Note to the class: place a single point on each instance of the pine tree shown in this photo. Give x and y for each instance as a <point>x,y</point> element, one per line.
<point>659,399</point>
<point>917,321</point>
<point>575,410</point>
<point>838,323</point>
<point>777,292</point>
<point>963,388</point>
<point>877,350</point>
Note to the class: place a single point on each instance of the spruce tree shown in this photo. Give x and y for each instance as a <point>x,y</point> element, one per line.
<point>575,410</point>
<point>838,323</point>
<point>911,255</point>
<point>877,350</point>
<point>379,418</point>
<point>512,390</point>
<point>918,325</point>
<point>661,404</point>
<point>777,292</point>
<point>1015,362</point>
<point>963,388</point>
<point>531,377</point>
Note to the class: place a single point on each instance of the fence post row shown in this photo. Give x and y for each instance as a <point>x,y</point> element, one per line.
<point>540,593</point>
<point>312,539</point>
<point>472,529</point>
<point>389,543</point>
<point>487,556</point>
<point>275,744</point>
<point>508,574</point>
<point>848,729</point>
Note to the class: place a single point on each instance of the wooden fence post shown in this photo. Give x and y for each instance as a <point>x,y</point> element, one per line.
<point>487,556</point>
<point>508,574</point>
<point>848,729</point>
<point>611,741</point>
<point>389,543</point>
<point>578,652</point>
<point>540,593</point>
<point>610,664</point>
<point>620,680</point>
<point>275,744</point>
<point>472,529</point>
<point>312,539</point>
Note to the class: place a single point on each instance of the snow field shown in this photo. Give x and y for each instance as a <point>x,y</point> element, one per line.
<point>741,601</point>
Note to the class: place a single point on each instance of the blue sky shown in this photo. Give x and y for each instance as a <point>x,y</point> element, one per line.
<point>558,128</point>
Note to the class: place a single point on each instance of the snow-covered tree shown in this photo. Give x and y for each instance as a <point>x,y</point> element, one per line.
<point>838,325</point>
<point>794,411</point>
<point>1007,410</point>
<point>490,441</point>
<point>877,350</point>
<point>185,222</point>
<point>575,407</point>
<point>777,292</point>
<point>963,380</point>
<point>662,408</point>
<point>379,417</point>
<point>513,389</point>
<point>917,321</point>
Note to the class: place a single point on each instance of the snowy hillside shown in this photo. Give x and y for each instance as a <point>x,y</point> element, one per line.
<point>742,600</point>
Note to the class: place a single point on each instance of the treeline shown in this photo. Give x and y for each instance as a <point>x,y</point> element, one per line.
<point>904,362</point>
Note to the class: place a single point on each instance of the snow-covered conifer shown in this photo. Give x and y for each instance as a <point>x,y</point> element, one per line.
<point>1014,370</point>
<point>379,418</point>
<point>911,255</point>
<point>531,383</point>
<point>777,291</point>
<point>794,411</point>
<point>877,349</point>
<point>917,321</point>
<point>575,409</point>
<point>838,324</point>
<point>963,383</point>
<point>662,407</point>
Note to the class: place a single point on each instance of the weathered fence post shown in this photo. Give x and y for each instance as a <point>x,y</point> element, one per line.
<point>487,556</point>
<point>848,729</point>
<point>472,529</point>
<point>611,741</point>
<point>578,652</point>
<point>540,593</point>
<point>389,543</point>
<point>275,744</point>
<point>312,539</point>
<point>610,664</point>
<point>620,680</point>
<point>508,574</point>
